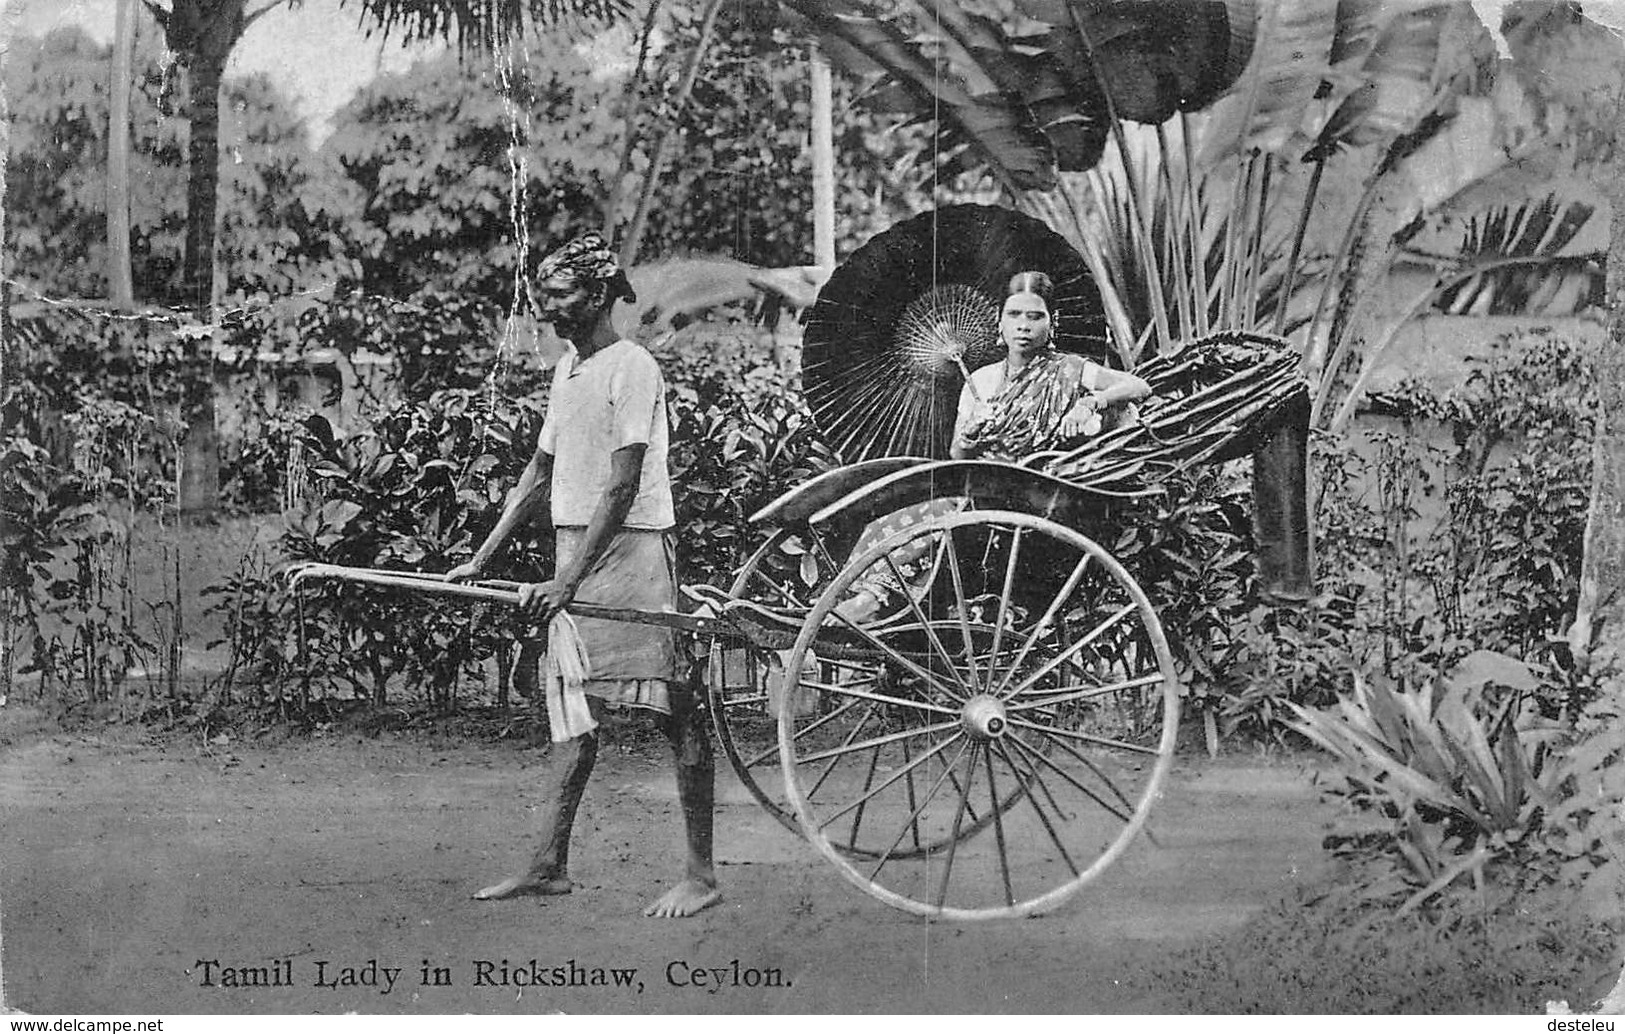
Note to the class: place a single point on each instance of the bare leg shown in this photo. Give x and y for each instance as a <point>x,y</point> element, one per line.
<point>696,773</point>
<point>527,669</point>
<point>548,873</point>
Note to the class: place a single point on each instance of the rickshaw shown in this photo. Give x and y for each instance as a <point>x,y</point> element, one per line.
<point>974,705</point>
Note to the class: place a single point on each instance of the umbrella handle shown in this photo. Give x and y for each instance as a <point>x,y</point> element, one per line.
<point>959,361</point>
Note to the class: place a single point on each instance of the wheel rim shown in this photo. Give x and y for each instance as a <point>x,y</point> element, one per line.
<point>1033,696</point>
<point>774,575</point>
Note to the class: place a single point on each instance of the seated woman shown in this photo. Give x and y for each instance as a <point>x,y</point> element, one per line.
<point>1037,397</point>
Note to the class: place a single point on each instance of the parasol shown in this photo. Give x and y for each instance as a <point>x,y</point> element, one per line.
<point>889,340</point>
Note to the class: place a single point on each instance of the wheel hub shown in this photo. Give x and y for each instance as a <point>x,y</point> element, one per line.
<point>983,717</point>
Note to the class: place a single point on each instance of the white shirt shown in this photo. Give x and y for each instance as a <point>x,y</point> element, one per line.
<point>613,398</point>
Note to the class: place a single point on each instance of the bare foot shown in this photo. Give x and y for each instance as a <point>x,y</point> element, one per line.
<point>525,886</point>
<point>685,899</point>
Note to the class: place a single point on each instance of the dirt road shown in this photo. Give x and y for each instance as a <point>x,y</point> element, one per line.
<point>150,878</point>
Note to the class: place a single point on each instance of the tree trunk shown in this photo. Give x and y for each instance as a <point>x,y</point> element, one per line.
<point>201,34</point>
<point>120,282</point>
<point>823,161</point>
<point>657,160</point>
<point>200,454</point>
<point>629,114</point>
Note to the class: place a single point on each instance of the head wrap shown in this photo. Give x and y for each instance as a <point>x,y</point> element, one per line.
<point>588,257</point>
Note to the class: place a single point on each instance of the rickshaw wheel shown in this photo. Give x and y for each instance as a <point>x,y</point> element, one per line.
<point>777,576</point>
<point>1033,694</point>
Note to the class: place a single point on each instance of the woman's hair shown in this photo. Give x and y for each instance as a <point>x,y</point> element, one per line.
<point>1031,281</point>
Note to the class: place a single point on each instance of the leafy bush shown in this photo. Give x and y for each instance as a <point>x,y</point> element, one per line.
<point>427,482</point>
<point>414,493</point>
<point>439,341</point>
<point>96,394</point>
<point>1188,547</point>
<point>255,470</point>
<point>1283,656</point>
<point>72,477</point>
<point>740,436</point>
<point>1470,780</point>
<point>1470,785</point>
<point>1588,821</point>
<point>1501,569</point>
<point>67,584</point>
<point>1463,792</point>
<point>1458,529</point>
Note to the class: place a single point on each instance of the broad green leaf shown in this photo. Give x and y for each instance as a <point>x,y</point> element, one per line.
<point>1266,109</point>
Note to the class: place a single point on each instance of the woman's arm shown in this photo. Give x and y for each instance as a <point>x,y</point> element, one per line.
<point>1114,386</point>
<point>972,413</point>
<point>958,449</point>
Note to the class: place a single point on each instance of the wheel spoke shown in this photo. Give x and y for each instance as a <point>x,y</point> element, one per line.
<point>777,588</point>
<point>1049,827</point>
<point>907,771</point>
<point>1084,760</point>
<point>970,809</point>
<point>1071,693</point>
<point>1099,741</point>
<point>998,826</point>
<point>879,741</point>
<point>930,795</point>
<point>925,622</point>
<point>879,698</point>
<point>868,781</point>
<point>1038,777</point>
<point>773,751</point>
<point>823,549</point>
<point>835,759</point>
<point>1061,658</point>
<point>1043,622</point>
<point>1004,594</point>
<point>914,669</point>
<point>1038,756</point>
<point>959,822</point>
<point>960,608</point>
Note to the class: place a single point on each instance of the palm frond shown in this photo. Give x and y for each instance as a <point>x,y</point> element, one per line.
<point>1547,227</point>
<point>1537,264</point>
<point>482,24</point>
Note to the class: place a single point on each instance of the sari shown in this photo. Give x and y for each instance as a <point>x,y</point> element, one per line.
<point>1026,412</point>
